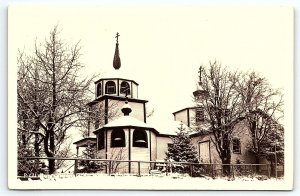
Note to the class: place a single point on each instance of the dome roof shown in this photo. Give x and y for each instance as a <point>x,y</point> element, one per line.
<point>112,73</point>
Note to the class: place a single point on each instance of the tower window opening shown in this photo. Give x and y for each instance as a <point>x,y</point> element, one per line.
<point>117,138</point>
<point>199,115</point>
<point>110,87</point>
<point>125,88</point>
<point>140,138</point>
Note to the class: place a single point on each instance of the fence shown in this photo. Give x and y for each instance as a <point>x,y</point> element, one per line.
<point>35,166</point>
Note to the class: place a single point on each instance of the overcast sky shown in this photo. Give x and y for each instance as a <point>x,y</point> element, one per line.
<point>162,48</point>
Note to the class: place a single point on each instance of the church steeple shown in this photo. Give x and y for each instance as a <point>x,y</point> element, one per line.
<point>117,60</point>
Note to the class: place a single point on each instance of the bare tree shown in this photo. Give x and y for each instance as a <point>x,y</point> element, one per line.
<point>117,155</point>
<point>220,102</point>
<point>263,108</point>
<point>51,93</point>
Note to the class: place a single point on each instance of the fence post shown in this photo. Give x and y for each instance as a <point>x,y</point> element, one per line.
<point>139,168</point>
<point>109,167</point>
<point>269,170</point>
<point>191,170</point>
<point>167,167</point>
<point>75,167</point>
<point>212,170</point>
<point>232,171</point>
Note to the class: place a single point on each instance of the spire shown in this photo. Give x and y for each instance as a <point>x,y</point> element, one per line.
<point>117,60</point>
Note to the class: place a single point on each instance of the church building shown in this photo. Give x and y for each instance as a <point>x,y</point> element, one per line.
<point>123,133</point>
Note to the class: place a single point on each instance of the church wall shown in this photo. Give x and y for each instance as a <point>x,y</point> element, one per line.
<point>153,146</point>
<point>241,132</point>
<point>162,146</point>
<point>192,113</point>
<point>98,106</point>
<point>182,116</point>
<point>120,153</point>
<point>115,110</point>
<point>136,153</point>
<point>135,93</point>
<point>140,154</point>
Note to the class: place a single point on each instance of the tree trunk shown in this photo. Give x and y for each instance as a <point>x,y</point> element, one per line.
<point>226,159</point>
<point>226,155</point>
<point>256,162</point>
<point>50,147</point>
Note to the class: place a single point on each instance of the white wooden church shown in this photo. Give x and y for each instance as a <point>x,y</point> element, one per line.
<point>124,130</point>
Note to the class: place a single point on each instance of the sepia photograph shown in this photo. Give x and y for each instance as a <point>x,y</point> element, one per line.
<point>150,97</point>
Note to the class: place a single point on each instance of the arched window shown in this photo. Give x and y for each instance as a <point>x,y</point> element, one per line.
<point>125,88</point>
<point>140,138</point>
<point>117,138</point>
<point>99,89</point>
<point>110,87</point>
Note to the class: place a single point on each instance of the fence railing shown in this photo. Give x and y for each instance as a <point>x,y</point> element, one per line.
<point>36,166</point>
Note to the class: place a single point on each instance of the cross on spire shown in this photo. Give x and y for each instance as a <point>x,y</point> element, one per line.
<point>117,60</point>
<point>201,69</point>
<point>117,36</point>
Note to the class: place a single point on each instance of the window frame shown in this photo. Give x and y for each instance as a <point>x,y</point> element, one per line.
<point>117,132</point>
<point>139,134</point>
<point>109,87</point>
<point>236,146</point>
<point>99,89</point>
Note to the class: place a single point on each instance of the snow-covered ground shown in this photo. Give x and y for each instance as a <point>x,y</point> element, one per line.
<point>173,181</point>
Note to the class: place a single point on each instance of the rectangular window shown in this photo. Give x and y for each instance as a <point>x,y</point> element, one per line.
<point>236,146</point>
<point>199,115</point>
<point>101,140</point>
<point>170,145</point>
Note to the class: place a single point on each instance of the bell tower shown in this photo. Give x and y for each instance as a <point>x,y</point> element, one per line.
<point>112,90</point>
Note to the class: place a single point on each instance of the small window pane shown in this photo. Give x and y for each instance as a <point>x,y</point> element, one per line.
<point>236,146</point>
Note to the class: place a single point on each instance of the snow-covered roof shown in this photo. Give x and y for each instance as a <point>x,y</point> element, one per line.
<point>127,121</point>
<point>167,127</point>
